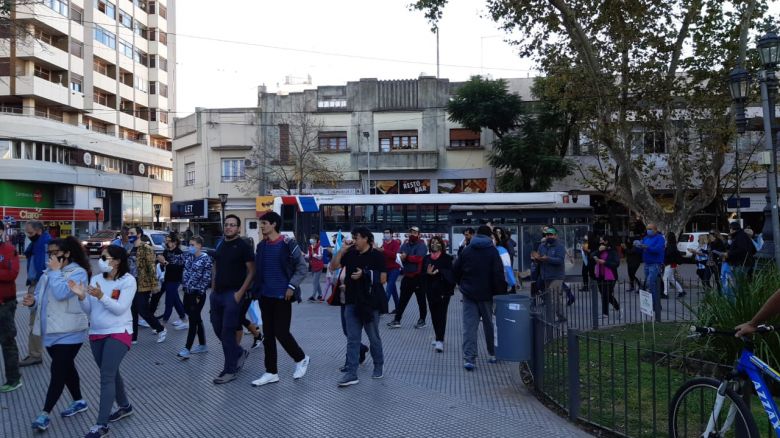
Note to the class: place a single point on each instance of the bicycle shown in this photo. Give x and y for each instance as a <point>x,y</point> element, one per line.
<point>698,415</point>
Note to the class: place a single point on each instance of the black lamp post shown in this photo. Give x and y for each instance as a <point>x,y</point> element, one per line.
<point>739,86</point>
<point>97,218</point>
<point>575,195</point>
<point>157,208</point>
<point>223,197</point>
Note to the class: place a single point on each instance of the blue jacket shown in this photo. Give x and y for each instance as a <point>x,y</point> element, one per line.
<point>653,250</point>
<point>36,251</point>
<point>479,271</point>
<point>553,268</point>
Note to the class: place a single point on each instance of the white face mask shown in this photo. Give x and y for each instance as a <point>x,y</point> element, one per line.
<point>105,266</point>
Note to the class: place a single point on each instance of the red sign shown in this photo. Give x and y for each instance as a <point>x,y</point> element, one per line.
<point>38,196</point>
<point>50,214</point>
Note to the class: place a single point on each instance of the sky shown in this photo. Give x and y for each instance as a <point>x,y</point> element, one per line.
<point>223,53</point>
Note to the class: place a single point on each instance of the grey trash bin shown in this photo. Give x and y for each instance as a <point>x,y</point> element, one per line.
<point>513,327</point>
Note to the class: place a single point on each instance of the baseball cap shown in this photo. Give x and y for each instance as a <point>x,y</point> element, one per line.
<point>414,229</point>
<point>550,230</point>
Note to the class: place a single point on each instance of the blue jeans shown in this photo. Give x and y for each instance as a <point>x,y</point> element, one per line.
<point>224,315</point>
<point>355,329</point>
<point>652,272</point>
<point>172,301</point>
<point>316,290</point>
<point>108,354</point>
<point>472,311</point>
<point>391,289</point>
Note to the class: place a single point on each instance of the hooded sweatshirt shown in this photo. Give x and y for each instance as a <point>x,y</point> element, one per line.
<point>479,270</point>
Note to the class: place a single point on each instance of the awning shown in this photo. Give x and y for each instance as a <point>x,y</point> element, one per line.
<point>306,204</point>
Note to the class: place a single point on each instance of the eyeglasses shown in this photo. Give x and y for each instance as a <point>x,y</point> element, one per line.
<point>231,225</point>
<point>104,258</point>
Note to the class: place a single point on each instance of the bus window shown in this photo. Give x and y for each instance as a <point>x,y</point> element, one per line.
<point>411,216</point>
<point>442,214</point>
<point>395,216</point>
<point>428,215</point>
<point>288,217</point>
<point>364,214</point>
<point>334,217</point>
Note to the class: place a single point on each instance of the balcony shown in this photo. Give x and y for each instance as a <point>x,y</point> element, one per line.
<point>35,86</point>
<point>400,160</point>
<point>32,48</point>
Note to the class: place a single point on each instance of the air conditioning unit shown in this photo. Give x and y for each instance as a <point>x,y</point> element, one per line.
<point>101,167</point>
<point>250,163</point>
<point>100,193</point>
<point>153,176</point>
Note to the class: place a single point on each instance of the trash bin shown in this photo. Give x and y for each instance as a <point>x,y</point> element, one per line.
<point>513,327</point>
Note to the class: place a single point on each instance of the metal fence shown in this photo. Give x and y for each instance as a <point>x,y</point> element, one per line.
<point>619,387</point>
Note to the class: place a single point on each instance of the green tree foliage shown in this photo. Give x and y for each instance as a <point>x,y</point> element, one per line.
<point>527,151</point>
<point>647,80</point>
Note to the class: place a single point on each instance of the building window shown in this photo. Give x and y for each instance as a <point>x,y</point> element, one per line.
<point>332,102</point>
<point>107,8</point>
<point>233,169</point>
<point>152,87</point>
<point>140,83</point>
<point>162,64</point>
<point>100,97</point>
<point>125,19</point>
<point>151,7</point>
<point>42,73</point>
<point>163,12</point>
<point>58,6</point>
<point>162,37</point>
<point>163,116</point>
<point>105,37</point>
<point>163,90</point>
<point>189,174</point>
<point>333,141</point>
<point>76,14</point>
<point>76,83</point>
<point>44,37</point>
<point>152,61</point>
<point>126,49</point>
<point>100,66</point>
<point>655,143</point>
<point>77,49</point>
<point>140,57</point>
<point>464,138</point>
<point>284,143</point>
<point>397,140</point>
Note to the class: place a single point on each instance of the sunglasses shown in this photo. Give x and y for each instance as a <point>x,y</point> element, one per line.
<point>104,258</point>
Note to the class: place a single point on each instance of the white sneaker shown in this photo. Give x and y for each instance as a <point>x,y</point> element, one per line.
<point>179,322</point>
<point>265,379</point>
<point>181,326</point>
<point>439,346</point>
<point>300,368</point>
<point>161,336</point>
<point>142,322</point>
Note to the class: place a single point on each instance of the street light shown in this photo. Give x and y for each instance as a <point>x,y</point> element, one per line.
<point>223,197</point>
<point>739,81</point>
<point>97,218</point>
<point>575,195</point>
<point>368,162</point>
<point>739,86</point>
<point>157,208</point>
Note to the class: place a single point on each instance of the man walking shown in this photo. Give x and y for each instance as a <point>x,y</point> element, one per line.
<point>412,253</point>
<point>146,283</point>
<point>390,248</point>
<point>277,285</point>
<point>234,267</point>
<point>467,235</point>
<point>551,256</point>
<point>365,272</point>
<point>653,246</point>
<point>36,264</point>
<point>9,270</point>
<point>479,272</point>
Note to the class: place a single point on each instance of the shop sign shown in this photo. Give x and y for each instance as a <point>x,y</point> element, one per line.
<point>474,185</point>
<point>196,209</point>
<point>411,186</point>
<point>19,194</point>
<point>50,214</point>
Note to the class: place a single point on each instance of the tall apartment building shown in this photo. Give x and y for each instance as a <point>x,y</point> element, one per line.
<point>86,88</point>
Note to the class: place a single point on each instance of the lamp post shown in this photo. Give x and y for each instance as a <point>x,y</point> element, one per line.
<point>575,195</point>
<point>739,83</point>
<point>97,218</point>
<point>157,208</point>
<point>223,197</point>
<point>368,163</point>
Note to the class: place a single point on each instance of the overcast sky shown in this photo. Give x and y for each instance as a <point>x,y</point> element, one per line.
<point>227,48</point>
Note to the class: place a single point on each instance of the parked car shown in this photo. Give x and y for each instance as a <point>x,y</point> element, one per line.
<point>691,240</point>
<point>95,243</point>
<point>158,239</point>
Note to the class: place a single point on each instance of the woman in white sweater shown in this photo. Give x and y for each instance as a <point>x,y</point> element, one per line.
<point>61,323</point>
<point>107,302</point>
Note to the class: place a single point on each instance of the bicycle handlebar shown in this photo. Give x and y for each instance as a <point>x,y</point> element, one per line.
<point>713,331</point>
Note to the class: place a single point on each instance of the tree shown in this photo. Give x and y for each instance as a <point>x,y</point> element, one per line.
<point>642,73</point>
<point>527,149</point>
<point>292,159</point>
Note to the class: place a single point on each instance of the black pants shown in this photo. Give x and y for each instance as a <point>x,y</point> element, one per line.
<point>584,274</point>
<point>439,304</point>
<point>141,307</point>
<point>410,286</point>
<point>193,305</point>
<point>607,289</point>
<point>155,298</point>
<point>63,373</point>
<point>632,269</point>
<point>277,314</point>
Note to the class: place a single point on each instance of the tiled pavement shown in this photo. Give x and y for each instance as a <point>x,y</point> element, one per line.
<point>423,393</point>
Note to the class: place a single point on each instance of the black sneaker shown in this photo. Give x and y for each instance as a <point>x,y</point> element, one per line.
<point>224,378</point>
<point>121,413</point>
<point>258,341</point>
<point>420,324</point>
<point>394,324</point>
<point>363,351</point>
<point>97,431</point>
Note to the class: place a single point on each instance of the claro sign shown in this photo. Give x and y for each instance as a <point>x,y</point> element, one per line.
<point>36,214</point>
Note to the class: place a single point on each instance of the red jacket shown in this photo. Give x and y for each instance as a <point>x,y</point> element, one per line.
<point>390,251</point>
<point>9,269</point>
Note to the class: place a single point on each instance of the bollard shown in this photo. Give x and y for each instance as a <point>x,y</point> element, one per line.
<point>573,358</point>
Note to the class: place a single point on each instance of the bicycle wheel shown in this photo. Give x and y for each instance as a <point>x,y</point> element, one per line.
<point>693,405</point>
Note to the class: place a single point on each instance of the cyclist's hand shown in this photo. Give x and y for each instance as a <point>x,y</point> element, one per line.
<point>744,329</point>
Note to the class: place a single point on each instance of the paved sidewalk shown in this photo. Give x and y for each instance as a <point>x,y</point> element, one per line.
<point>423,393</point>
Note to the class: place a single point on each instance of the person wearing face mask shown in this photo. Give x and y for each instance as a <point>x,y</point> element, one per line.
<point>551,256</point>
<point>606,271</point>
<point>36,264</point>
<point>740,255</point>
<point>672,259</point>
<point>107,301</point>
<point>316,266</point>
<point>501,240</point>
<point>61,323</point>
<point>172,261</point>
<point>412,253</point>
<point>197,279</point>
<point>9,270</point>
<point>146,280</point>
<point>390,248</point>
<point>438,282</point>
<point>653,246</point>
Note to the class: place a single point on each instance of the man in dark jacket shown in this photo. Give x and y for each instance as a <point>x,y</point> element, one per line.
<point>741,250</point>
<point>36,264</point>
<point>9,269</point>
<point>479,273</point>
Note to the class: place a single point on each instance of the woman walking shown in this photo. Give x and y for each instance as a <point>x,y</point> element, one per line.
<point>316,266</point>
<point>197,278</point>
<point>172,262</point>
<point>633,261</point>
<point>107,303</point>
<point>606,272</point>
<point>702,256</point>
<point>671,260</point>
<point>61,323</point>
<point>438,282</point>
<point>146,281</point>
